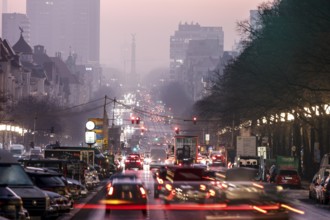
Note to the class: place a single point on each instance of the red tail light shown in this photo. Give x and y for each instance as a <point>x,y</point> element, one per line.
<point>110,193</point>
<point>143,192</point>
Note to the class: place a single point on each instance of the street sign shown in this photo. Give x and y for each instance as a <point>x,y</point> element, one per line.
<point>90,137</point>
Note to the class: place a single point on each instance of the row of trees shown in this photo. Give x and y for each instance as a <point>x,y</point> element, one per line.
<point>284,67</point>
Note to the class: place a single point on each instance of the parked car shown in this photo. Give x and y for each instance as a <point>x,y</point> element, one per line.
<point>13,176</point>
<point>12,205</point>
<point>131,193</point>
<point>36,153</point>
<point>313,187</point>
<point>288,178</point>
<point>76,188</point>
<point>17,150</point>
<point>49,180</point>
<point>59,203</point>
<point>322,189</point>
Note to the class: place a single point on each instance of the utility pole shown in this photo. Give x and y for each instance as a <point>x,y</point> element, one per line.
<point>34,128</point>
<point>105,125</point>
<point>113,112</point>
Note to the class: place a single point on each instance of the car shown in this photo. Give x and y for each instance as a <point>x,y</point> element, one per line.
<point>59,203</point>
<point>49,180</point>
<point>13,176</point>
<point>36,153</point>
<point>11,205</point>
<point>288,178</point>
<point>126,194</point>
<point>133,161</point>
<point>312,189</point>
<point>243,194</point>
<point>317,188</point>
<point>217,159</point>
<point>76,188</point>
<point>159,176</point>
<point>185,184</point>
<point>131,176</point>
<point>323,187</point>
<point>203,159</point>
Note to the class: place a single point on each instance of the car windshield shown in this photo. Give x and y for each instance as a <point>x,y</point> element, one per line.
<point>47,181</point>
<point>16,151</point>
<point>14,175</point>
<point>126,191</point>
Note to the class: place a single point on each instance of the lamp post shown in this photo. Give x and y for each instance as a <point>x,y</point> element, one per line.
<point>34,128</point>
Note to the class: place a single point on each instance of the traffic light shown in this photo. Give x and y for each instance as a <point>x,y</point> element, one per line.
<point>142,130</point>
<point>194,120</point>
<point>135,120</point>
<point>177,130</point>
<point>52,130</point>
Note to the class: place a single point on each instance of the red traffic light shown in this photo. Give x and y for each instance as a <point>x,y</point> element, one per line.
<point>177,130</point>
<point>137,120</point>
<point>194,120</point>
<point>133,119</point>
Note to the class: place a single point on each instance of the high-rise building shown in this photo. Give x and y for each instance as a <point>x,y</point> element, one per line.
<point>13,24</point>
<point>66,26</point>
<point>179,43</point>
<point>255,19</point>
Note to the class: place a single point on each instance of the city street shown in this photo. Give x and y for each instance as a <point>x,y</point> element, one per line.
<point>93,209</point>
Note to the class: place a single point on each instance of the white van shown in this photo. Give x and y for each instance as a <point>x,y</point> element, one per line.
<point>17,150</point>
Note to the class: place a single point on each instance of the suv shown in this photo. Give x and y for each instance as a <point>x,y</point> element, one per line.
<point>49,180</point>
<point>133,161</point>
<point>13,176</point>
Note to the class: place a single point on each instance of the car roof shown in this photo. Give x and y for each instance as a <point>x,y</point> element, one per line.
<point>126,181</point>
<point>41,171</point>
<point>121,176</point>
<point>7,158</point>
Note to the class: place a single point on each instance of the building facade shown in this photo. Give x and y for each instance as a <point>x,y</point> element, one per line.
<point>65,26</point>
<point>179,43</point>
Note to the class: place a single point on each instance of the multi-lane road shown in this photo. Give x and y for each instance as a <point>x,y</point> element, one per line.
<point>94,209</point>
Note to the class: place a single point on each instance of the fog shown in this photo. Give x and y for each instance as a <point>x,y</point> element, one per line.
<point>153,22</point>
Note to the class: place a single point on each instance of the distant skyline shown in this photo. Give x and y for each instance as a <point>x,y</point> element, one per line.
<point>153,22</point>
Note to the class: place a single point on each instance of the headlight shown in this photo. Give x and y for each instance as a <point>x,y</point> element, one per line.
<point>8,208</point>
<point>279,188</point>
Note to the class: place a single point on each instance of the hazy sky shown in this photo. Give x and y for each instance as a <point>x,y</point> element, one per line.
<point>153,22</point>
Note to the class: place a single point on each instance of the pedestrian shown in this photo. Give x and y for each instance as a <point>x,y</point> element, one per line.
<point>272,173</point>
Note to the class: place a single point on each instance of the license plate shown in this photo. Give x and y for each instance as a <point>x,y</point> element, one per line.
<point>288,178</point>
